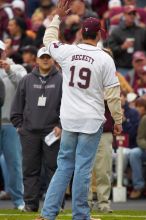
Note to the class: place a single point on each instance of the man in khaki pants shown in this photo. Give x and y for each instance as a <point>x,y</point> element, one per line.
<point>102,171</point>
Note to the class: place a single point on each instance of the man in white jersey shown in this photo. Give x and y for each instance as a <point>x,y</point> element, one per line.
<point>88,72</point>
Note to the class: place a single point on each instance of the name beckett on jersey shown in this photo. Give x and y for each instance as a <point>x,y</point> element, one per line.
<point>83,57</point>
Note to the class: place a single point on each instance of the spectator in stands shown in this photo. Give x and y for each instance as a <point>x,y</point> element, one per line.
<point>130,126</point>
<point>18,7</point>
<point>111,16</point>
<point>126,38</point>
<point>35,113</point>
<point>46,7</point>
<point>29,54</point>
<point>78,7</point>
<point>6,14</point>
<point>10,146</point>
<point>19,10</point>
<point>17,29</point>
<point>40,33</point>
<point>138,155</point>
<point>134,76</point>
<point>36,21</point>
<point>116,14</point>
<point>141,84</point>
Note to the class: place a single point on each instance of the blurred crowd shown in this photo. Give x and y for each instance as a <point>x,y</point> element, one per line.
<point>22,27</point>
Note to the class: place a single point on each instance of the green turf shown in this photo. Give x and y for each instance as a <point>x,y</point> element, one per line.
<point>116,215</point>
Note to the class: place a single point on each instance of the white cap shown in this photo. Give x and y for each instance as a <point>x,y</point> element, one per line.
<point>18,4</point>
<point>42,51</point>
<point>131,96</point>
<point>2,45</point>
<point>114,3</point>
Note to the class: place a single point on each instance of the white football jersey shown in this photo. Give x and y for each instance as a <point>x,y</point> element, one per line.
<point>86,70</point>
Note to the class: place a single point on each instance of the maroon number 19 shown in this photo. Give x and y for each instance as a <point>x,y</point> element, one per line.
<point>84,74</point>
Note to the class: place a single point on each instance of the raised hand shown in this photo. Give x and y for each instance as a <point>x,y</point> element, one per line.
<point>63,8</point>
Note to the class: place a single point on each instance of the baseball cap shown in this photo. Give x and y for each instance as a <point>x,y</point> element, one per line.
<point>138,55</point>
<point>91,25</point>
<point>129,8</point>
<point>114,3</point>
<point>2,45</point>
<point>43,51</point>
<point>131,96</point>
<point>18,4</point>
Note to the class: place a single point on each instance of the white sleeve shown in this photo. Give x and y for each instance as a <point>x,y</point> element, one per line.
<point>110,79</point>
<point>56,49</point>
<point>112,95</point>
<point>16,73</point>
<point>51,32</point>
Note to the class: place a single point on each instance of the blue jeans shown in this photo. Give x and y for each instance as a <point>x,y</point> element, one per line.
<point>4,172</point>
<point>77,154</point>
<point>136,157</point>
<point>11,149</point>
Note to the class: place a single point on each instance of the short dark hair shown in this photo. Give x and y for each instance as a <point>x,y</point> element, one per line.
<point>29,49</point>
<point>141,102</point>
<point>68,32</point>
<point>21,23</point>
<point>89,35</point>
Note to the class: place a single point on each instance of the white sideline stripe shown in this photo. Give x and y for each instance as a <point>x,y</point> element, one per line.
<point>69,215</point>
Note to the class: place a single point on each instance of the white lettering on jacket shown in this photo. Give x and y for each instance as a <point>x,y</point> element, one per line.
<point>52,86</point>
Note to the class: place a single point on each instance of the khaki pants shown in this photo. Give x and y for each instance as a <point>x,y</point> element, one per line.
<point>102,171</point>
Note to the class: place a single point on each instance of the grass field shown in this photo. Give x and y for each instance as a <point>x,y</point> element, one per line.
<point>116,215</point>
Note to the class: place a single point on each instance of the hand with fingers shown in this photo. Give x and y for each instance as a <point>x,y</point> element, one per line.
<point>4,65</point>
<point>63,8</point>
<point>117,129</point>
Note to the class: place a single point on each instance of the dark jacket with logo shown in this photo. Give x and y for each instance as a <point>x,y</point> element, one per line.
<point>26,113</point>
<point>2,96</point>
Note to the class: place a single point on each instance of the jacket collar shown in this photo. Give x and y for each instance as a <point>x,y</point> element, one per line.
<point>52,72</point>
